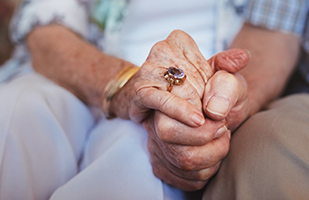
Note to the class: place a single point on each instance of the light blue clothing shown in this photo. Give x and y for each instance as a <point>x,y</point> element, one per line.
<point>285,15</point>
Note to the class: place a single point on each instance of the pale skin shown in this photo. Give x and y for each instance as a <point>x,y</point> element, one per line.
<point>187,158</point>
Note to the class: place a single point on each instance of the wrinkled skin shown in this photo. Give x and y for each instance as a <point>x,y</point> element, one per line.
<point>147,90</point>
<point>184,146</point>
<point>186,152</point>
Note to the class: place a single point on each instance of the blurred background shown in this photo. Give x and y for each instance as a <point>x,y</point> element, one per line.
<point>6,11</point>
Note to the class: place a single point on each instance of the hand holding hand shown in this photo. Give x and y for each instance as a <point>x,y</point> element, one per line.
<point>183,155</point>
<point>226,94</point>
<point>147,90</point>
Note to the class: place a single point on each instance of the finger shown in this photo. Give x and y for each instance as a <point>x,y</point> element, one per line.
<point>232,60</point>
<point>190,51</point>
<point>171,131</point>
<point>165,175</point>
<point>222,93</point>
<point>173,106</point>
<point>202,175</point>
<point>196,157</point>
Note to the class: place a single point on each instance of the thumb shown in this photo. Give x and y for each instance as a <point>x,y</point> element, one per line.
<point>232,60</point>
<point>222,92</point>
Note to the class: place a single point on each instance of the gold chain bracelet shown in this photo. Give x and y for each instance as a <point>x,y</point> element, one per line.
<point>113,86</point>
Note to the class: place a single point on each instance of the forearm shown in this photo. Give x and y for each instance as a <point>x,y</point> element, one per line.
<point>273,57</point>
<point>65,58</point>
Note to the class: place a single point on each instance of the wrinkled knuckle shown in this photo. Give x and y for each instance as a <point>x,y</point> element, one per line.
<point>191,93</point>
<point>159,46</point>
<point>178,32</point>
<point>186,160</point>
<point>165,132</point>
<point>193,97</point>
<point>166,102</point>
<point>205,138</point>
<point>180,38</point>
<point>189,100</point>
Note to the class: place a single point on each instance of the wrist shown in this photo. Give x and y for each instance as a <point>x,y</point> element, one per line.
<point>115,96</point>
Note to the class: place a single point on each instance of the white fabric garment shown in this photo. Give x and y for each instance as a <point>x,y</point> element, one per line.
<point>148,22</point>
<point>50,142</point>
<point>42,133</point>
<point>213,24</point>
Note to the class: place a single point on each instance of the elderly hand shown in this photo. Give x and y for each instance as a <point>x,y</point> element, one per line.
<point>185,152</point>
<point>187,157</point>
<point>183,156</point>
<point>147,89</point>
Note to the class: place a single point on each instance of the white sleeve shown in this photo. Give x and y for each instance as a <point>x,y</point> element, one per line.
<point>34,13</point>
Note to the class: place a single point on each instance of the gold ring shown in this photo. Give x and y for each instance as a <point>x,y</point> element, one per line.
<point>174,76</point>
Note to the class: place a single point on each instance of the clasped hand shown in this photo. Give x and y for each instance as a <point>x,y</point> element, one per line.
<point>188,127</point>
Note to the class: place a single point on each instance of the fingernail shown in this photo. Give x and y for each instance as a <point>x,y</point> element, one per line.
<point>220,132</point>
<point>249,53</point>
<point>218,106</point>
<point>198,119</point>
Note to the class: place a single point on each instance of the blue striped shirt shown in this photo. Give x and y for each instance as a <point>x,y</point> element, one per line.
<point>288,16</point>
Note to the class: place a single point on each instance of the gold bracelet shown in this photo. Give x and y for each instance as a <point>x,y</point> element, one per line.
<point>113,86</point>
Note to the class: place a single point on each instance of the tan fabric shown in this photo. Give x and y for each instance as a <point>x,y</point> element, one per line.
<point>269,156</point>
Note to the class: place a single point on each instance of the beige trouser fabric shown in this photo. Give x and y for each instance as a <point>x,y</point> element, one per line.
<point>269,156</point>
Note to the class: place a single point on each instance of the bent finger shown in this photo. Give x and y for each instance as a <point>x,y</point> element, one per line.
<point>173,106</point>
<point>232,60</point>
<point>197,157</point>
<point>201,175</point>
<point>171,131</point>
<point>163,173</point>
